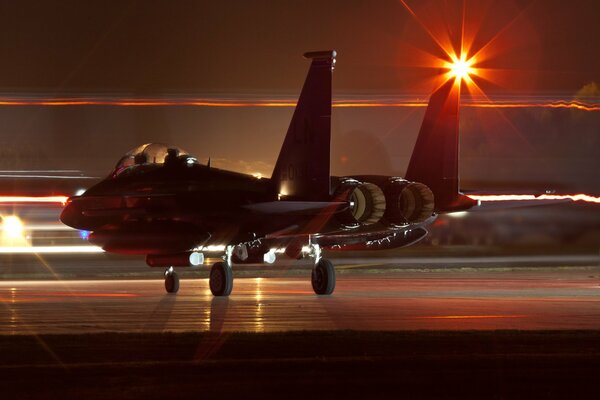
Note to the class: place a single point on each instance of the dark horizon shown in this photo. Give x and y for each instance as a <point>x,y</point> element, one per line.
<point>254,50</point>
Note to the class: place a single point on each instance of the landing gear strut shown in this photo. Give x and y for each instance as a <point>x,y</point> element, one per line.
<point>323,273</point>
<point>171,280</point>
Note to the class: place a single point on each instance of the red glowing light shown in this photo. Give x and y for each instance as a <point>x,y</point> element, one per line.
<point>528,197</point>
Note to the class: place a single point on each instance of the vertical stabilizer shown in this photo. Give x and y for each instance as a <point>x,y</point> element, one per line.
<point>434,160</point>
<point>302,171</point>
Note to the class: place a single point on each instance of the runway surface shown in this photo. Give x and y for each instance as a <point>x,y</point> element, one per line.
<point>457,299</point>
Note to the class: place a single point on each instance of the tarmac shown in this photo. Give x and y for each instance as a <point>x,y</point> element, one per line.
<point>380,295</point>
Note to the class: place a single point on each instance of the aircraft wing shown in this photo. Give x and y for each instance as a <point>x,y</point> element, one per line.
<point>297,207</point>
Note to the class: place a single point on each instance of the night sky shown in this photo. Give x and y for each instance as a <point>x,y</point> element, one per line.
<point>252,49</point>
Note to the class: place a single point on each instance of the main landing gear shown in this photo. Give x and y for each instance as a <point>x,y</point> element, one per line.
<point>323,277</point>
<point>221,274</point>
<point>323,273</point>
<point>221,279</point>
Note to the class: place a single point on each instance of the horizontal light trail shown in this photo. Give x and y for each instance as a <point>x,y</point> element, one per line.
<point>44,227</point>
<point>359,103</point>
<point>50,250</point>
<point>39,296</point>
<point>529,197</point>
<point>473,316</point>
<point>34,199</point>
<point>11,176</point>
<point>488,197</point>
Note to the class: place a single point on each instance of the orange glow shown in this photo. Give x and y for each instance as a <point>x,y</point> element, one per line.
<point>463,69</point>
<point>523,197</point>
<point>78,249</point>
<point>70,294</point>
<point>34,199</point>
<point>472,316</point>
<point>124,102</point>
<point>460,69</point>
<point>459,64</point>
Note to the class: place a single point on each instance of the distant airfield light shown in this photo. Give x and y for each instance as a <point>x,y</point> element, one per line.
<point>281,195</point>
<point>460,68</point>
<point>12,227</point>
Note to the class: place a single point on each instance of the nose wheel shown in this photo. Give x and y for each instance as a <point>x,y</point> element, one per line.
<point>171,281</point>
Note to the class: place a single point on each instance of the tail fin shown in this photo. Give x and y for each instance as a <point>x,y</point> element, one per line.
<point>302,171</point>
<point>434,160</point>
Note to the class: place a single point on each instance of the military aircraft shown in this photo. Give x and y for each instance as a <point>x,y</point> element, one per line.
<point>162,203</point>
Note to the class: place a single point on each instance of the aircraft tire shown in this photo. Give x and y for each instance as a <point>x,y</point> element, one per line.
<point>172,282</point>
<point>221,279</point>
<point>323,277</point>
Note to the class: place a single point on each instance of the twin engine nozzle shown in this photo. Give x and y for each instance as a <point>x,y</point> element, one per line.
<point>383,200</point>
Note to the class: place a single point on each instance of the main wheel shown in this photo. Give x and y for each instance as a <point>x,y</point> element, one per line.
<point>221,279</point>
<point>323,277</point>
<point>171,282</point>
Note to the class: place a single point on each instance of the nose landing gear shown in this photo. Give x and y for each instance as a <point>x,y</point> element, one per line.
<point>171,280</point>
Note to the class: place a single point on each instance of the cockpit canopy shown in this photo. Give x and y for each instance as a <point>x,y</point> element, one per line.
<point>153,154</point>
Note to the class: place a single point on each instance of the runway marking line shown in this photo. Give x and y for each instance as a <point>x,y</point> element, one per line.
<point>472,316</point>
<point>22,295</point>
<point>352,266</point>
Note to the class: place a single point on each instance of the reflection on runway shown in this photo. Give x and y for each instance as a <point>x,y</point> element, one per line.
<point>554,299</point>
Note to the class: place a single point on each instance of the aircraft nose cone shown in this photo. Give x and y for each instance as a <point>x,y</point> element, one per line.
<point>70,215</point>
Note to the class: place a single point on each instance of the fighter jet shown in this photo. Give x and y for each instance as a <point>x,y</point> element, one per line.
<point>160,202</point>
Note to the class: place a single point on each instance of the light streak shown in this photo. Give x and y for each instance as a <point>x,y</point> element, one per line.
<point>50,249</point>
<point>528,197</point>
<point>341,103</point>
<point>34,199</point>
<point>50,102</point>
<point>472,316</point>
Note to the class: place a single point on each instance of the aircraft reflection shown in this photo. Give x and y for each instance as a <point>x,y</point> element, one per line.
<point>215,336</point>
